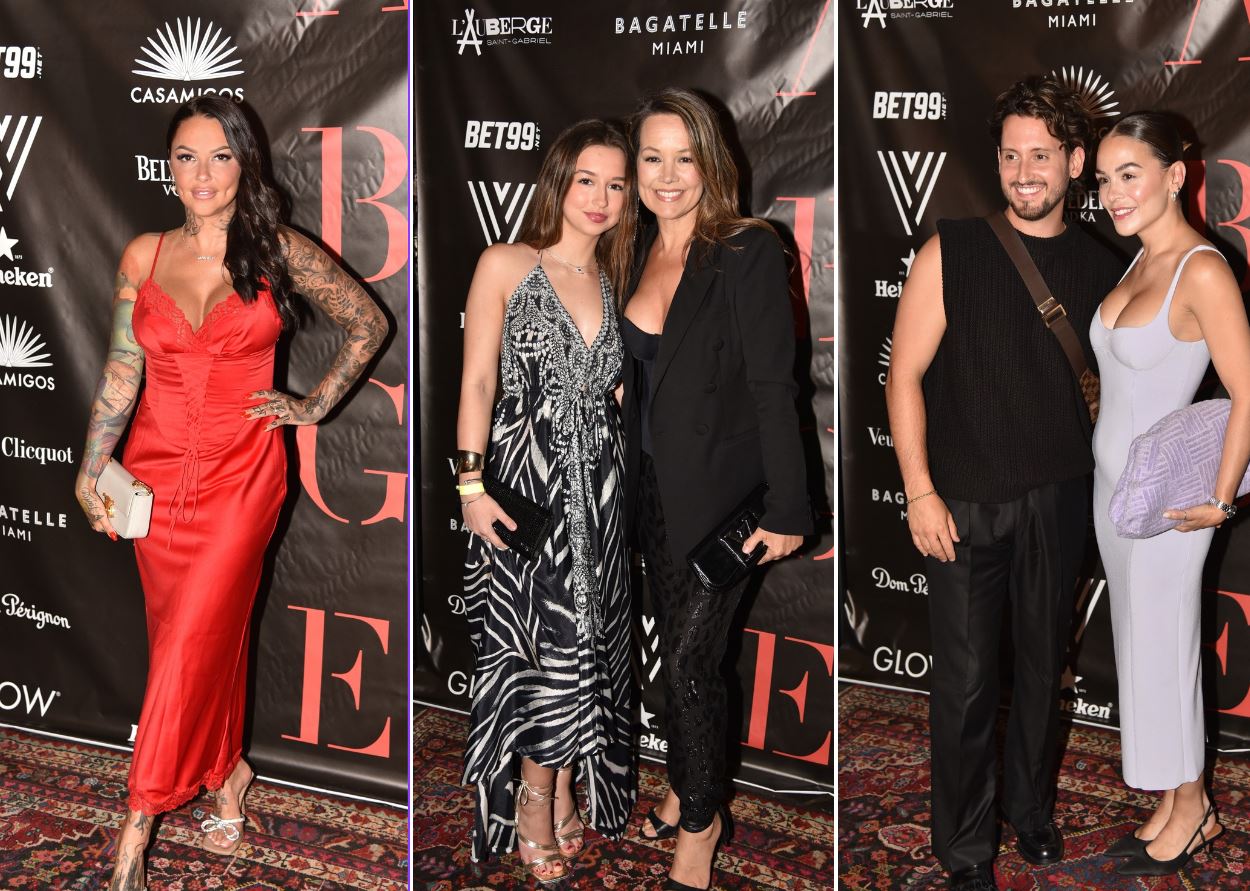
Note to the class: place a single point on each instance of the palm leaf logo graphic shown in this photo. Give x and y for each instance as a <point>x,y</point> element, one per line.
<point>1095,93</point>
<point>20,346</point>
<point>194,52</point>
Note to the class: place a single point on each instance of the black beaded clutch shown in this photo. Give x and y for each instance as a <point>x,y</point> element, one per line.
<point>718,561</point>
<point>533,521</point>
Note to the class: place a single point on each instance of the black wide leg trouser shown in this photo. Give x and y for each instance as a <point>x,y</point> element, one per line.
<point>694,627</point>
<point>1028,552</point>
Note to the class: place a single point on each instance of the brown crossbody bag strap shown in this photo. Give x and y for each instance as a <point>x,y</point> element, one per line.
<point>1054,316</point>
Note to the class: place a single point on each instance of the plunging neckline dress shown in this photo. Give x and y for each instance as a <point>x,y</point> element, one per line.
<point>551,636</point>
<point>218,482</point>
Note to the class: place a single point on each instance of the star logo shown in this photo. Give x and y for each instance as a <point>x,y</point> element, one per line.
<point>646,716</point>
<point>6,244</point>
<point>907,261</point>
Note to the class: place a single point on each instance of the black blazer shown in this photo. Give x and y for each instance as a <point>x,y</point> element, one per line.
<point>723,389</point>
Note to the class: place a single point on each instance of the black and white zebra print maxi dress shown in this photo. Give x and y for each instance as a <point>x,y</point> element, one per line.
<point>551,637</point>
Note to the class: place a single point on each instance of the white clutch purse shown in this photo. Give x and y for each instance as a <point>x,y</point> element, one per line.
<point>127,501</point>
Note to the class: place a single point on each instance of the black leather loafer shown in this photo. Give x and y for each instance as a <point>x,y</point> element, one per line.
<point>1128,846</point>
<point>1041,847</point>
<point>974,878</point>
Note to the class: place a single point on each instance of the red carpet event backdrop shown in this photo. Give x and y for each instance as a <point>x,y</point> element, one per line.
<point>918,83</point>
<point>495,83</point>
<point>86,93</point>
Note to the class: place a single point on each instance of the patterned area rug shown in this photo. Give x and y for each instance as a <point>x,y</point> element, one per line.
<point>776,844</point>
<point>60,803</point>
<point>883,824</point>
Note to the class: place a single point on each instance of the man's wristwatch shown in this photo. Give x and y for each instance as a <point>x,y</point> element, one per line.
<point>1230,510</point>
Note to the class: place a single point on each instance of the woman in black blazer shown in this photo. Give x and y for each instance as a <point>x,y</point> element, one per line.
<point>709,413</point>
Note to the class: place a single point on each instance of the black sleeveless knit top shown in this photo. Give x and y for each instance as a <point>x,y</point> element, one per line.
<point>1005,414</point>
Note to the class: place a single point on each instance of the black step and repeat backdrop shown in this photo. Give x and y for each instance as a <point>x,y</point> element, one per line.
<point>918,81</point>
<point>86,92</point>
<point>495,83</point>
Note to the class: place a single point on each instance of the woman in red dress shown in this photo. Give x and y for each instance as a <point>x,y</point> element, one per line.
<point>197,311</point>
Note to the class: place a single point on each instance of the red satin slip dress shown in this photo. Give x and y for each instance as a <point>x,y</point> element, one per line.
<point>218,482</point>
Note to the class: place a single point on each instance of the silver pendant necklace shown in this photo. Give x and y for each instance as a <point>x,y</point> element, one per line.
<point>580,270</point>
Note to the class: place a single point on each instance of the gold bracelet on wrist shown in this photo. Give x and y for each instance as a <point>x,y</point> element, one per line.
<point>473,488</point>
<point>922,495</point>
<point>466,461</point>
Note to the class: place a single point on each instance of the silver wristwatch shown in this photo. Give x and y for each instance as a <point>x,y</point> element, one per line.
<point>1230,510</point>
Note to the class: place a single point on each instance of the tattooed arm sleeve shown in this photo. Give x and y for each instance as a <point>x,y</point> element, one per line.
<point>115,393</point>
<point>119,381</point>
<point>337,294</point>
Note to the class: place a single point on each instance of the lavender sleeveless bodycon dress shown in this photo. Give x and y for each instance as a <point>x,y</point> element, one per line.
<point>1154,583</point>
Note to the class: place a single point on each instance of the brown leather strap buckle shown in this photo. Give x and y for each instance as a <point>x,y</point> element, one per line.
<point>1052,311</point>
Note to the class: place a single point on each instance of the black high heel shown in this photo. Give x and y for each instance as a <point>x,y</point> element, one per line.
<point>1144,865</point>
<point>1128,846</point>
<point>661,829</point>
<point>726,833</point>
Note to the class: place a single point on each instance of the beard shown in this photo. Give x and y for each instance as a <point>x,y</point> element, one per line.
<point>1034,211</point>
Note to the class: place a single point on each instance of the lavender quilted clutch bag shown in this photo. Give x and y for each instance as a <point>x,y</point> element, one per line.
<point>1173,464</point>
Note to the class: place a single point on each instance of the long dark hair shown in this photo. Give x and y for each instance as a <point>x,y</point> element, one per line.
<point>718,215</point>
<point>544,218</point>
<point>255,253</point>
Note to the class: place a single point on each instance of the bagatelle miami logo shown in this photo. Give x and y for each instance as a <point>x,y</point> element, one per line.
<point>680,33</point>
<point>911,177</point>
<point>500,208</point>
<point>21,350</point>
<point>16,275</point>
<point>186,50</point>
<point>510,30</point>
<point>17,135</point>
<point>1069,13</point>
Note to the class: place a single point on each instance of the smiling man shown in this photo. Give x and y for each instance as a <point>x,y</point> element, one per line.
<point>992,437</point>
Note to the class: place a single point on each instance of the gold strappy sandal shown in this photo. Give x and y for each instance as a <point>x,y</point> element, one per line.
<point>579,834</point>
<point>525,794</point>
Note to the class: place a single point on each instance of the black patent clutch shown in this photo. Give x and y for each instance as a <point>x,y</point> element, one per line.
<point>718,561</point>
<point>533,521</point>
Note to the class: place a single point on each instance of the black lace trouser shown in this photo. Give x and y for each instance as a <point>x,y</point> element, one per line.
<point>694,629</point>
